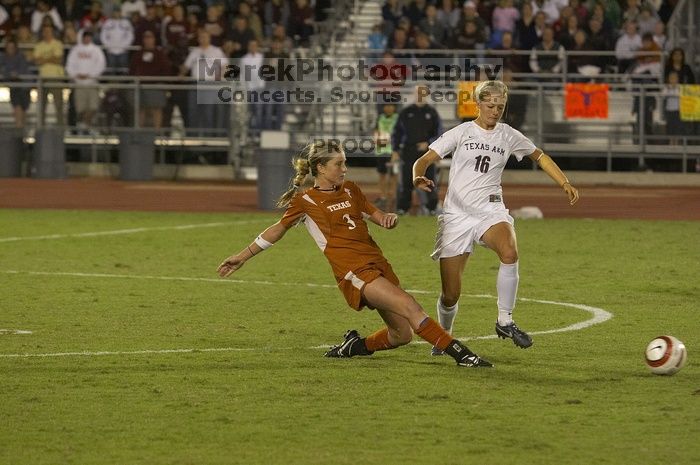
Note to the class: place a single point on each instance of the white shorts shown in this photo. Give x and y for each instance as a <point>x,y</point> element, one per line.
<point>457,234</point>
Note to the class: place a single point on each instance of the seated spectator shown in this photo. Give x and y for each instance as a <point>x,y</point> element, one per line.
<point>416,11</point>
<point>238,38</point>
<point>580,10</point>
<point>70,35</point>
<point>423,47</point>
<point>129,7</point>
<point>432,26</point>
<point>93,19</point>
<point>562,23</point>
<point>516,106</point>
<point>582,64</point>
<point>512,61</point>
<point>525,35</point>
<point>660,36</point>
<point>469,13</point>
<point>648,57</point>
<point>449,15</point>
<point>599,40</point>
<point>631,11</point>
<point>254,21</point>
<point>567,33</point>
<point>469,38</point>
<point>675,127</point>
<point>13,65</point>
<point>280,33</point>
<point>376,41</point>
<point>399,43</point>
<point>547,63</point>
<point>117,35</point>
<point>151,60</point>
<point>626,47</point>
<point>550,8</point>
<point>16,19</point>
<point>676,63</point>
<point>44,8</point>
<point>85,63</point>
<point>601,14</point>
<point>301,22</point>
<point>647,20</point>
<point>505,15</point>
<point>275,13</point>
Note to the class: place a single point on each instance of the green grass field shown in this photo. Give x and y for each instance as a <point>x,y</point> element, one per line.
<point>251,386</point>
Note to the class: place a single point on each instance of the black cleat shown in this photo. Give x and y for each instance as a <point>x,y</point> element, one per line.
<point>344,350</point>
<point>520,338</point>
<point>472,360</point>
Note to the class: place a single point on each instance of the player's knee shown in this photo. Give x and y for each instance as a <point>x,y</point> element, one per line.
<point>450,297</point>
<point>509,256</point>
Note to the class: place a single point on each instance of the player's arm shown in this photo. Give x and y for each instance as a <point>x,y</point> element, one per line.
<point>548,165</point>
<point>419,168</point>
<point>265,240</point>
<point>385,220</point>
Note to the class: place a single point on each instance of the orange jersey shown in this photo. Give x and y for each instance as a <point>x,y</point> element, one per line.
<point>336,222</point>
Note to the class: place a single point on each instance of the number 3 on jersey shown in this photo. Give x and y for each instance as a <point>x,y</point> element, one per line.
<point>482,164</point>
<point>351,223</point>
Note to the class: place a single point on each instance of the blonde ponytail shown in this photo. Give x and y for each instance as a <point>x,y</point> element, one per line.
<point>315,153</point>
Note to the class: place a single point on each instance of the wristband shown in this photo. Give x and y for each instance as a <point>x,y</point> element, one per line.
<point>262,243</point>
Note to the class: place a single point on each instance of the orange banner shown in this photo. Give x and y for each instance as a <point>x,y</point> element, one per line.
<point>586,101</point>
<point>466,103</point>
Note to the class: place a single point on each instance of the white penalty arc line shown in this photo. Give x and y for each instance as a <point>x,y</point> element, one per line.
<point>117,232</point>
<point>598,315</point>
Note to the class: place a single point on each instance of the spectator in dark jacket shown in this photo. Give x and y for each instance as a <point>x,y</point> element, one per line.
<point>150,61</point>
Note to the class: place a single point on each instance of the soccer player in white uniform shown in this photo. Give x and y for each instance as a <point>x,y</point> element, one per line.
<point>474,211</point>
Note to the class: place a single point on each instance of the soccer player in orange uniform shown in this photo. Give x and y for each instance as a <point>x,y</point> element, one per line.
<point>333,211</point>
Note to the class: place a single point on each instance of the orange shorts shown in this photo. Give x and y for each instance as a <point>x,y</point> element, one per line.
<point>352,284</point>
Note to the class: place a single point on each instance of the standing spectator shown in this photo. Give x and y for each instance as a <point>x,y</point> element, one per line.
<point>582,64</point>
<point>85,64</point>
<point>71,11</point>
<point>274,111</point>
<point>150,22</point>
<point>676,62</point>
<point>175,29</point>
<point>627,46</point>
<point>525,34</point>
<point>129,7</point>
<point>196,7</point>
<point>206,111</point>
<point>567,33</point>
<point>117,35</point>
<point>44,8</point>
<point>48,55</point>
<point>193,26</point>
<point>660,36</point>
<point>26,41</point>
<point>601,41</point>
<point>382,139</point>
<point>275,12</point>
<point>94,19</point>
<point>238,38</point>
<point>547,63</point>
<point>215,25</point>
<point>432,26</point>
<point>150,61</point>
<point>449,15</point>
<point>301,22</point>
<point>674,125</point>
<point>254,85</point>
<point>16,19</point>
<point>254,21</point>
<point>14,65</point>
<point>418,126</point>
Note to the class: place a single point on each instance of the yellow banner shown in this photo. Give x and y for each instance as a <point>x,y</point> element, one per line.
<point>586,101</point>
<point>690,102</point>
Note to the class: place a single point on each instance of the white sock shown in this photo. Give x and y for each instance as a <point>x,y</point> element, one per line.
<point>507,287</point>
<point>446,315</point>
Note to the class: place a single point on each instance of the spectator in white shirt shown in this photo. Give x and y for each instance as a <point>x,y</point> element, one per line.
<point>117,35</point>
<point>43,8</point>
<point>626,46</point>
<point>85,63</point>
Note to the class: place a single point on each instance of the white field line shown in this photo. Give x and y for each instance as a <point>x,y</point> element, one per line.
<point>117,232</point>
<point>14,331</point>
<point>598,315</point>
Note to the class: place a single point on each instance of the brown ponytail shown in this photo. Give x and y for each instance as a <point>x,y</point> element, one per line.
<point>315,153</point>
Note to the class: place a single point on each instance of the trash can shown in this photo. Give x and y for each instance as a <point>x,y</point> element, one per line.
<point>136,154</point>
<point>12,143</point>
<point>274,162</point>
<point>49,154</point>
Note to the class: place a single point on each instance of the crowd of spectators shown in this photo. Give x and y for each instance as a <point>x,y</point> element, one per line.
<point>83,40</point>
<point>635,30</point>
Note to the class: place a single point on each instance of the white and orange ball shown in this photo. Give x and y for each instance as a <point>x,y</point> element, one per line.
<point>665,355</point>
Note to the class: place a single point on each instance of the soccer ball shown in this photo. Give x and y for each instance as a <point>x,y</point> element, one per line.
<point>665,355</point>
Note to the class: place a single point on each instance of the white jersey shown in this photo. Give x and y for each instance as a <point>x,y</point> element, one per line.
<point>478,159</point>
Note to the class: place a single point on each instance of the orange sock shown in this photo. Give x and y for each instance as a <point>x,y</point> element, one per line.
<point>432,332</point>
<point>378,340</point>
